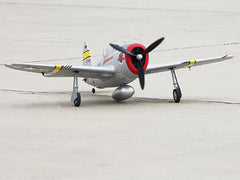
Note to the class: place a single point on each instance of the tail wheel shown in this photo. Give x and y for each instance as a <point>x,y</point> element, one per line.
<point>77,101</point>
<point>177,95</point>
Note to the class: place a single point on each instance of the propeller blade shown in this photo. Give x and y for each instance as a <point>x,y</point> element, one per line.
<point>153,45</point>
<point>121,49</point>
<point>141,74</point>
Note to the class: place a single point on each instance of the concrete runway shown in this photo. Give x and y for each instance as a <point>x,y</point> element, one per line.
<point>43,136</point>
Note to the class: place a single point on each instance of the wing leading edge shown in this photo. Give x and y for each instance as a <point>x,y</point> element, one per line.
<point>96,71</point>
<point>184,64</point>
<point>64,70</point>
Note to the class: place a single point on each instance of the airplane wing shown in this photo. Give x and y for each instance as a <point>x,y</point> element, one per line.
<point>64,71</point>
<point>184,64</point>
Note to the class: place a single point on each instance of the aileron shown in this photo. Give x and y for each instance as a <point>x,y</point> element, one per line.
<point>185,64</point>
<point>64,70</point>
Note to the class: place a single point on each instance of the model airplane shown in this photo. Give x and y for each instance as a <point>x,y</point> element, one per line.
<point>118,67</point>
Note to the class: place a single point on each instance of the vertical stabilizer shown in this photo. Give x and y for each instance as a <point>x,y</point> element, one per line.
<point>86,55</point>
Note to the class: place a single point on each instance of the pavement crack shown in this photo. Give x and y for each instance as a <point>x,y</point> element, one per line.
<point>31,92</point>
<point>200,46</point>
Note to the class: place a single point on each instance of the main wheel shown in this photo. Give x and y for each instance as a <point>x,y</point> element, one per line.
<point>77,101</point>
<point>93,90</point>
<point>177,95</point>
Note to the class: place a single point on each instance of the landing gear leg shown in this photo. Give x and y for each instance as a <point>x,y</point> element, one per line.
<point>76,96</point>
<point>177,94</point>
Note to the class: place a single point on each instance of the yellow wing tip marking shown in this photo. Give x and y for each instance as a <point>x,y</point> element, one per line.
<point>191,62</point>
<point>57,69</point>
<point>86,54</point>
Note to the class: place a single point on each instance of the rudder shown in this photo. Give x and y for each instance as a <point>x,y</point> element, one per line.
<point>86,55</point>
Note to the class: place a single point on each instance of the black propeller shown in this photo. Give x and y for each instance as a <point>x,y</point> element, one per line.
<point>153,45</point>
<point>137,58</point>
<point>141,74</point>
<point>122,49</point>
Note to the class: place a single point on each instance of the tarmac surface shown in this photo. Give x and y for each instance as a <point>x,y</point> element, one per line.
<point>43,136</point>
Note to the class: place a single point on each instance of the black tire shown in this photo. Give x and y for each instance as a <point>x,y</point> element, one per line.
<point>93,90</point>
<point>177,95</point>
<point>77,101</point>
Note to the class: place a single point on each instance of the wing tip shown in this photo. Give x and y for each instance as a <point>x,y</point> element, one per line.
<point>9,65</point>
<point>228,57</point>
<point>12,65</point>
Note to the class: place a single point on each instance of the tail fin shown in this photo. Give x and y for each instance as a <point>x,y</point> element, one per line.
<point>86,55</point>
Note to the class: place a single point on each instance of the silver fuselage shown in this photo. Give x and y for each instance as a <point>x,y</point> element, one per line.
<point>122,76</point>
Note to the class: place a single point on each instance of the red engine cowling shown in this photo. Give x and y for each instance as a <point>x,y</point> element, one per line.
<point>130,61</point>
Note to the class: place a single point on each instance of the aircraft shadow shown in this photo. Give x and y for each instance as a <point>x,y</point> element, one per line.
<point>100,98</point>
